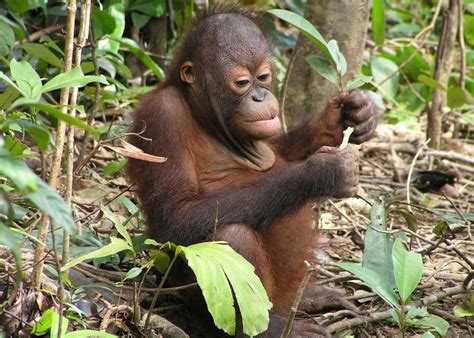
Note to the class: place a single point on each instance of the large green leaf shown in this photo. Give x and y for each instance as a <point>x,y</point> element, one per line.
<point>7,38</point>
<point>38,192</point>
<point>44,53</point>
<point>56,113</point>
<point>135,49</point>
<point>218,268</point>
<point>408,267</point>
<point>18,173</point>
<point>374,281</point>
<point>26,79</point>
<point>457,96</point>
<point>45,322</point>
<point>430,82</point>
<point>73,78</point>
<point>378,21</point>
<point>89,333</point>
<point>308,30</point>
<point>378,246</point>
<point>8,96</point>
<point>118,225</point>
<point>324,68</point>
<point>359,81</point>
<point>5,78</point>
<point>469,29</point>
<point>341,63</point>
<point>39,133</point>
<point>8,239</point>
<point>117,13</point>
<point>48,200</point>
<point>18,6</point>
<point>102,22</point>
<point>413,61</point>
<point>116,245</point>
<point>385,73</point>
<point>432,322</point>
<point>154,8</point>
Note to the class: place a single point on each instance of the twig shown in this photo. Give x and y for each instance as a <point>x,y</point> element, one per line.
<point>115,309</point>
<point>376,316</point>
<point>410,173</point>
<point>456,209</point>
<point>96,102</point>
<point>284,87</point>
<point>450,155</point>
<point>106,281</point>
<point>296,302</point>
<point>45,31</point>
<point>157,292</point>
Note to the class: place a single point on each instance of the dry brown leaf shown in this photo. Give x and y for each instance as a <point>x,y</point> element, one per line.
<point>134,152</point>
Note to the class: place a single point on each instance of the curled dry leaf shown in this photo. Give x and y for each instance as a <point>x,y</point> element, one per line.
<point>130,150</point>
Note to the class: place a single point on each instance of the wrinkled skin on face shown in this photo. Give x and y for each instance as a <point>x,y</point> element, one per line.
<point>230,84</point>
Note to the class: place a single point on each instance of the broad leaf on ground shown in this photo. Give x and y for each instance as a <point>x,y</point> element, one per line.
<point>407,267</point>
<point>218,268</point>
<point>378,246</point>
<point>374,281</point>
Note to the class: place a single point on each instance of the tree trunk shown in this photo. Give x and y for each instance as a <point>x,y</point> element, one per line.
<point>305,92</point>
<point>444,64</point>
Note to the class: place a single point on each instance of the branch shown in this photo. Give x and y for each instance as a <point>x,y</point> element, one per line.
<point>377,316</point>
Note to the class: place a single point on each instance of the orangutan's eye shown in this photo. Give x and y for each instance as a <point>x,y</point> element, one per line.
<point>242,83</point>
<point>264,77</point>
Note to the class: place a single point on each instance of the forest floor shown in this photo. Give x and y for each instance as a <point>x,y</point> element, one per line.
<point>385,166</point>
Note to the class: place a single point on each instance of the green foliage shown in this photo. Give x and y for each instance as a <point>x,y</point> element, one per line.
<point>393,273</point>
<point>216,265</point>
<point>35,189</point>
<point>378,21</point>
<point>143,10</point>
<point>378,251</point>
<point>407,267</point>
<point>49,323</point>
<point>334,66</point>
<point>116,11</point>
<point>221,273</point>
<point>134,48</point>
<point>313,35</point>
<point>116,245</point>
<point>7,38</point>
<point>386,76</point>
<point>467,310</point>
<point>43,53</point>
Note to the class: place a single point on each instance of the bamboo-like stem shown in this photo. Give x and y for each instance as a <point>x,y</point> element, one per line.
<point>58,151</point>
<point>462,45</point>
<point>81,42</point>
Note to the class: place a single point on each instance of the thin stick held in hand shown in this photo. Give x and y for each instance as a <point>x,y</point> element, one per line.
<point>345,141</point>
